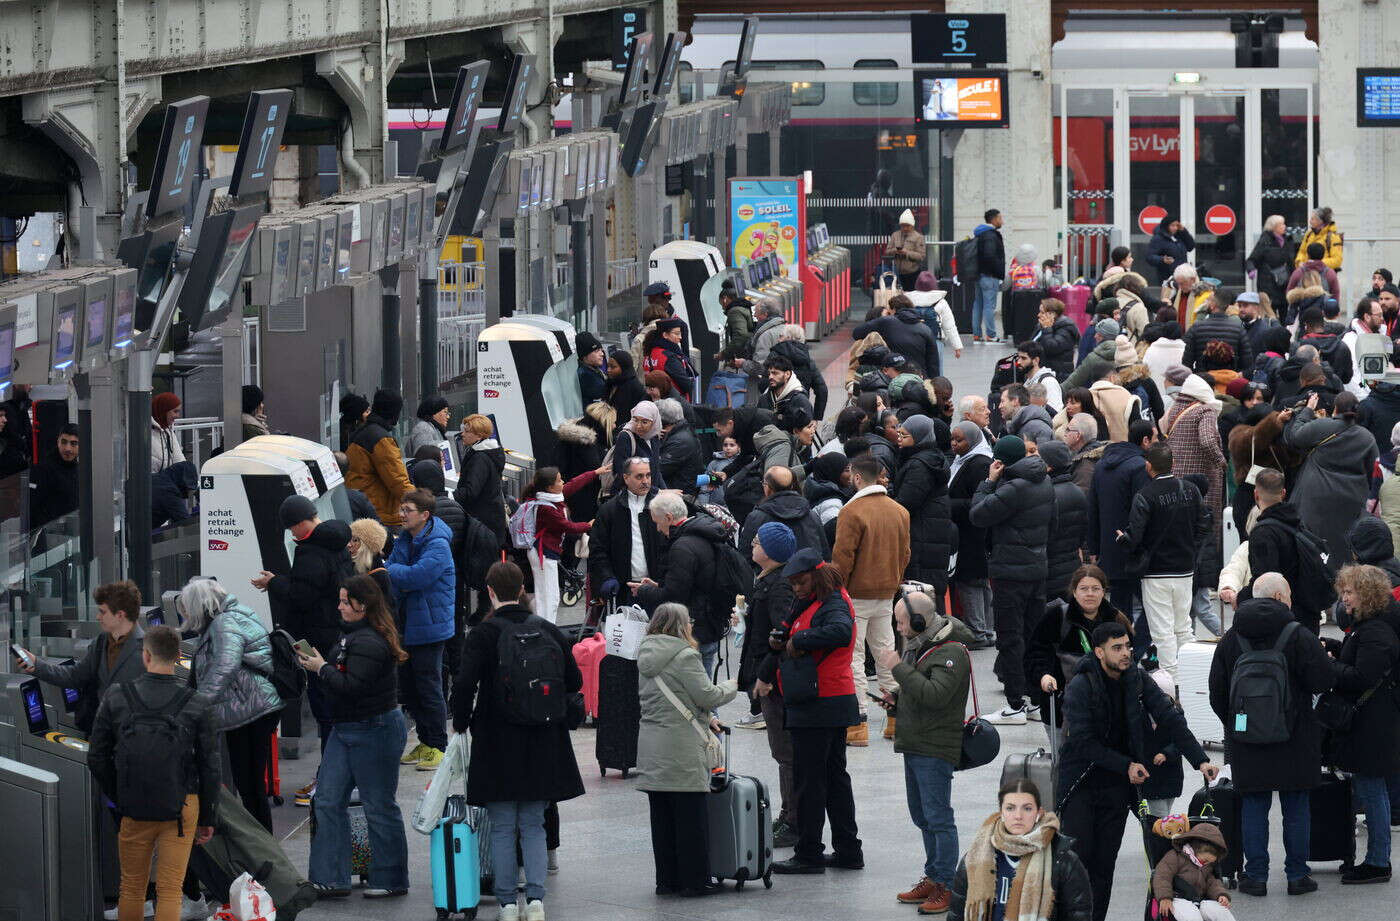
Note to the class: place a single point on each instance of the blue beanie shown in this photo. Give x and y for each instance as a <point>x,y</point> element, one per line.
<point>777,541</point>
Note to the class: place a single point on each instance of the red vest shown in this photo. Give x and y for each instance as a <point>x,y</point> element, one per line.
<point>834,676</point>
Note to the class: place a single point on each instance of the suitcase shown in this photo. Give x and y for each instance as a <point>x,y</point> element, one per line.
<point>589,654</point>
<point>619,715</point>
<point>1039,767</point>
<point>1193,689</point>
<point>1220,803</point>
<point>456,861</point>
<point>1018,312</point>
<point>241,845</point>
<point>274,773</point>
<point>1333,832</point>
<point>740,826</point>
<point>1076,301</point>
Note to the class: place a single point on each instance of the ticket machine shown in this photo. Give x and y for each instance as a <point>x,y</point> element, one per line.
<point>686,266</point>
<point>827,283</point>
<point>525,386</point>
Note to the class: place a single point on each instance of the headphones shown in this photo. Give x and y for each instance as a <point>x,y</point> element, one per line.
<point>918,619</point>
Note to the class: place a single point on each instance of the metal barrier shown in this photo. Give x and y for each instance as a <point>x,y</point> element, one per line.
<point>199,436</point>
<point>623,274</point>
<point>457,345</point>
<point>461,289</point>
<point>1086,250</point>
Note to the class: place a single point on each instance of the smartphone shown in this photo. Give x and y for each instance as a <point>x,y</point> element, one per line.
<point>304,648</point>
<point>876,697</point>
<point>19,653</point>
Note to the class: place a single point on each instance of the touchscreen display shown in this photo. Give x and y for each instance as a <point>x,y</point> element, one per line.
<point>96,322</point>
<point>126,313</point>
<point>64,336</point>
<point>34,707</point>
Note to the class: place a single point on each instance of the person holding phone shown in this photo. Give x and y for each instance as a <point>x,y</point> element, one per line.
<point>232,670</point>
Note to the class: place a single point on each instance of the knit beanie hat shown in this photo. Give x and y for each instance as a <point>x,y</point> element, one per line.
<point>1108,328</point>
<point>585,343</point>
<point>828,466</point>
<point>1009,449</point>
<point>387,405</point>
<point>1237,387</point>
<point>777,541</point>
<point>1056,455</point>
<point>1124,355</point>
<point>1176,375</point>
<point>295,509</point>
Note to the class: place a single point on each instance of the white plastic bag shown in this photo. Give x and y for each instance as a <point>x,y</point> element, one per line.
<point>623,632</point>
<point>249,901</point>
<point>450,774</point>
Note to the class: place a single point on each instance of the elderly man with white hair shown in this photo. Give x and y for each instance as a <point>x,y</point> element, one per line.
<point>689,574</point>
<point>1184,292</point>
<point>1082,436</point>
<point>768,329</point>
<point>974,409</point>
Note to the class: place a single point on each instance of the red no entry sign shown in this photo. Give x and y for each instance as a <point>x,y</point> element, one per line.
<point>1150,217</point>
<point>1220,219</point>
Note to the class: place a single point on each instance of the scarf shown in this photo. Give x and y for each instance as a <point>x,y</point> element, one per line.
<point>647,409</point>
<point>981,448</point>
<point>1032,895</point>
<point>554,498</point>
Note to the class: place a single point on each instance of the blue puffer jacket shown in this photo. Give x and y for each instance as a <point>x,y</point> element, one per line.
<point>424,579</point>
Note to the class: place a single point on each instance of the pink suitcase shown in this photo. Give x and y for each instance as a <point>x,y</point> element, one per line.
<point>588,653</point>
<point>1076,301</point>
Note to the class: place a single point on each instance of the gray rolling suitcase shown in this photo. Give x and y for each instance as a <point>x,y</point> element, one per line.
<point>741,826</point>
<point>1039,766</point>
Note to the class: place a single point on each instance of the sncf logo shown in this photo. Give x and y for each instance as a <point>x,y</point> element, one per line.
<point>218,544</point>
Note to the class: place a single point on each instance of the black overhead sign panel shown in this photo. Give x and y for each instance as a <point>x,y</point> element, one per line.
<point>626,23</point>
<point>949,38</point>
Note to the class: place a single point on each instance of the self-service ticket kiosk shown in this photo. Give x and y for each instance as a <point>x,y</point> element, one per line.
<point>827,280</point>
<point>526,387</point>
<point>686,266</point>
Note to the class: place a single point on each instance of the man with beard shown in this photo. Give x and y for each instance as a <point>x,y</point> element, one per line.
<point>53,484</point>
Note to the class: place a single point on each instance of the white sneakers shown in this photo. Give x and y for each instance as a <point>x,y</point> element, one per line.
<point>534,910</point>
<point>1008,716</point>
<point>192,910</point>
<point>509,912</point>
<point>148,911</point>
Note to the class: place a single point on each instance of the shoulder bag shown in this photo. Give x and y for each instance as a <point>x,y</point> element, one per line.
<point>1336,713</point>
<point>714,753</point>
<point>981,742</point>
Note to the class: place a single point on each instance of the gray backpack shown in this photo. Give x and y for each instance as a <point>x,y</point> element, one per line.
<point>1261,696</point>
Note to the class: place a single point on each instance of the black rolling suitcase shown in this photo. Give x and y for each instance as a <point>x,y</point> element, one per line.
<point>1220,803</point>
<point>619,715</point>
<point>1333,832</point>
<point>1018,312</point>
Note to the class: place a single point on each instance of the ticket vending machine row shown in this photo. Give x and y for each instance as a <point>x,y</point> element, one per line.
<point>686,266</point>
<point>763,278</point>
<point>827,283</point>
<point>526,386</point>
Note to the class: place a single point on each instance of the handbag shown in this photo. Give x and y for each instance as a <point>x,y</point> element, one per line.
<point>1336,713</point>
<point>981,743</point>
<point>887,288</point>
<point>714,753</point>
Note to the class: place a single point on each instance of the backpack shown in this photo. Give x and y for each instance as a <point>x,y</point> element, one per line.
<point>930,317</point>
<point>966,255</point>
<point>1024,276</point>
<point>288,677</point>
<point>733,576</point>
<point>1261,695</point>
<point>728,389</point>
<point>153,750</point>
<point>1313,589</point>
<point>530,674</point>
<point>522,524</point>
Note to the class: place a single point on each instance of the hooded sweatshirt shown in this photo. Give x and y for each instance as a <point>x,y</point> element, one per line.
<point>792,509</point>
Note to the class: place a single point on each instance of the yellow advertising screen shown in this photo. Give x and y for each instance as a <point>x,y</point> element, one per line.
<point>961,98</point>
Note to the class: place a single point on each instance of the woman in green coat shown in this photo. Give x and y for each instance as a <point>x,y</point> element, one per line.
<point>672,767</point>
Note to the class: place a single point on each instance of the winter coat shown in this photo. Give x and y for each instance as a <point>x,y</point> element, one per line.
<point>738,327</point>
<point>91,677</point>
<point>1300,299</point>
<point>1031,423</point>
<point>906,334</point>
<point>1269,260</point>
<point>1070,533</point>
<point>627,446</point>
<point>912,243</point>
<point>1134,313</point>
<point>1218,327</point>
<point>1083,463</point>
<point>233,668</point>
<point>582,444</point>
<point>377,469</point>
<point>769,605</point>
<point>972,540</point>
<point>1335,480</point>
<point>991,251</point>
<point>792,509</point>
<point>1194,436</point>
<point>680,457</point>
<point>360,506</point>
<point>823,631</point>
<point>1095,365</point>
<point>1292,764</point>
<point>1117,406</point>
<point>1388,505</point>
<point>670,754</point>
<point>1165,244</point>
<point>1200,881</point>
<point>805,370</point>
<point>1255,330</point>
<point>610,545</point>
<point>511,762</point>
<point>428,475</point>
<point>1161,355</point>
<point>53,490</point>
<point>884,451</point>
<point>1120,473</point>
<point>552,522</point>
<point>921,486</point>
<point>690,577</point>
<point>872,545</point>
<point>1018,511</point>
<point>1273,548</point>
<point>1074,896</point>
<point>165,448</point>
<point>626,390</point>
<point>1369,542</point>
<point>424,578</point>
<point>479,487</point>
<point>775,448</point>
<point>1332,350</point>
<point>765,336</point>
<point>1061,638</point>
<point>1167,527</point>
<point>425,433</point>
<point>1087,756</point>
<point>306,601</point>
<point>361,678</point>
<point>826,500</point>
<point>933,677</point>
<point>1379,412</point>
<point>1060,343</point>
<point>1331,241</point>
<point>592,383</point>
<point>1368,656</point>
<point>667,356</point>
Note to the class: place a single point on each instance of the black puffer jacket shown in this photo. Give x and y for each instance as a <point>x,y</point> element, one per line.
<point>1060,640</point>
<point>1218,327</point>
<point>582,445</point>
<point>1074,898</point>
<point>610,545</point>
<point>1333,351</point>
<point>690,577</point>
<point>306,601</point>
<point>1060,343</point>
<point>921,486</point>
<point>680,458</point>
<point>806,372</point>
<point>1380,411</point>
<point>1372,747</point>
<point>1290,765</point>
<point>1372,544</point>
<point>792,509</point>
<point>908,335</point>
<point>1018,511</point>
<point>1071,519</point>
<point>428,475</point>
<point>972,540</point>
<point>770,605</point>
<point>360,676</point>
<point>1119,474</point>
<point>479,488</point>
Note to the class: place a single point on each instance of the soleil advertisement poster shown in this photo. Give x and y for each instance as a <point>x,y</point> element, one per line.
<point>767,216</point>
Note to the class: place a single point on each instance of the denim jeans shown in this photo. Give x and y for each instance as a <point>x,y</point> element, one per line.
<point>1254,830</point>
<point>420,679</point>
<point>984,307</point>
<point>928,786</point>
<point>708,653</point>
<point>1374,800</point>
<point>525,819</point>
<point>363,754</point>
<point>1203,611</point>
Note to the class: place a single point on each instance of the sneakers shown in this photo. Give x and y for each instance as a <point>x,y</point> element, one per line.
<point>147,911</point>
<point>303,796</point>
<point>330,892</point>
<point>1366,873</point>
<point>937,903</point>
<point>191,910</point>
<point>1033,713</point>
<point>858,736</point>
<point>752,721</point>
<point>922,890</point>
<point>889,727</point>
<point>384,893</point>
<point>1304,885</point>
<point>509,912</point>
<point>798,865</point>
<point>553,866</point>
<point>431,759</point>
<point>784,835</point>
<point>1008,716</point>
<point>414,754</point>
<point>534,910</point>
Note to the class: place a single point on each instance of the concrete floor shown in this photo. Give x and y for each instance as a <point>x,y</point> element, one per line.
<point>606,869</point>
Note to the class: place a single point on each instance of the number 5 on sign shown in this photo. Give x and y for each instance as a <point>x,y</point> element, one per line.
<point>958,40</point>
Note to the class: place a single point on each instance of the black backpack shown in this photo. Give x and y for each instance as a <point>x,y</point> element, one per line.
<point>1261,695</point>
<point>153,751</point>
<point>1313,589</point>
<point>288,677</point>
<point>966,254</point>
<point>530,674</point>
<point>733,576</point>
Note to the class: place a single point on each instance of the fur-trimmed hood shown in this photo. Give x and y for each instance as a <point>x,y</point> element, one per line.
<point>574,433</point>
<point>1305,294</point>
<point>1132,374</point>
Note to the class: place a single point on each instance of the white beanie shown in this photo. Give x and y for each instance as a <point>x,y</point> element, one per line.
<point>907,217</point>
<point>1197,389</point>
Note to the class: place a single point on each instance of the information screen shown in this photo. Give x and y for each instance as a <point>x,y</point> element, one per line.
<point>96,323</point>
<point>960,98</point>
<point>466,99</point>
<point>263,124</point>
<point>126,313</point>
<point>177,156</point>
<point>34,707</point>
<point>7,353</point>
<point>1377,97</point>
<point>64,335</point>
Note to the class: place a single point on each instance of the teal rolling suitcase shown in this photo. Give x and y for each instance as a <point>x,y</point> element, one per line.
<point>456,861</point>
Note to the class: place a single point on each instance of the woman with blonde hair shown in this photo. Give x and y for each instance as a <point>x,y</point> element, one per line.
<point>367,540</point>
<point>479,488</point>
<point>1268,262</point>
<point>673,764</point>
<point>1367,748</point>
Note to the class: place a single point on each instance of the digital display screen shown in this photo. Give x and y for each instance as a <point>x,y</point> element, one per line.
<point>71,696</point>
<point>156,618</point>
<point>448,175</point>
<point>177,156</point>
<point>96,322</point>
<point>150,254</point>
<point>670,63</point>
<point>342,250</point>
<point>281,261</point>
<point>633,79</point>
<point>412,221</point>
<point>306,259</point>
<point>547,185</point>
<point>536,180</point>
<point>961,99</point>
<point>1377,97</point>
<point>582,161</point>
<point>326,262</point>
<point>522,69</point>
<point>7,352</point>
<point>126,312</point>
<point>446,457</point>
<point>466,99</point>
<point>34,707</point>
<point>604,152</point>
<point>396,224</point>
<point>522,172</point>
<point>64,333</point>
<point>263,124</point>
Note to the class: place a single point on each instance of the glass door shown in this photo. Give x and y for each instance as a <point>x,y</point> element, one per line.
<point>1215,176</point>
<point>1154,139</point>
